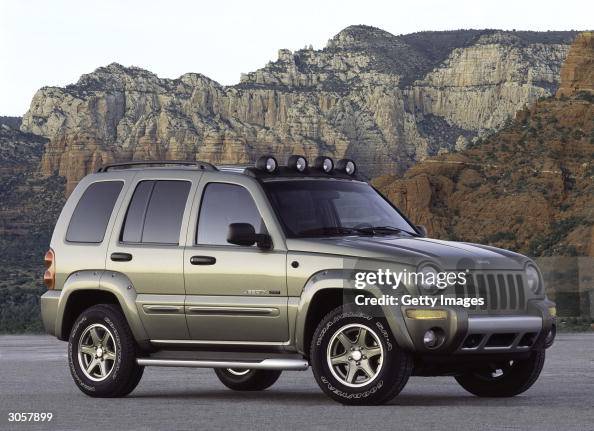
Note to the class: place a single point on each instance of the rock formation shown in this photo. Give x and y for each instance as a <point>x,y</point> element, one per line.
<point>577,74</point>
<point>387,101</point>
<point>528,187</point>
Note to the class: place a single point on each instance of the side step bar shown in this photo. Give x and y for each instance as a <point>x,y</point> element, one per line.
<point>266,364</point>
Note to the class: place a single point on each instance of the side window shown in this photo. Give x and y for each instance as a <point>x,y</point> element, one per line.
<point>155,212</point>
<point>91,215</point>
<point>223,204</point>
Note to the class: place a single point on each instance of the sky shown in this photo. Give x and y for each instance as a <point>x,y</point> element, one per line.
<point>53,42</point>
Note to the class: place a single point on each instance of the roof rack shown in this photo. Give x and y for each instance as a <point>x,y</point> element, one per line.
<point>233,168</point>
<point>198,164</point>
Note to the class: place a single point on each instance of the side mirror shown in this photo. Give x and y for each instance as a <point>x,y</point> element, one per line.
<point>421,230</point>
<point>245,234</point>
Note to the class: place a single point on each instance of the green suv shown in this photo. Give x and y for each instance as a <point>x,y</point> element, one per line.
<point>255,270</point>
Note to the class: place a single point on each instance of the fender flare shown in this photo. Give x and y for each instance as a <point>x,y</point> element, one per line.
<point>340,279</point>
<point>113,282</point>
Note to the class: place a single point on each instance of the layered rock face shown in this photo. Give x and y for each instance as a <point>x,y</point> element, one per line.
<point>577,74</point>
<point>387,101</point>
<point>529,187</point>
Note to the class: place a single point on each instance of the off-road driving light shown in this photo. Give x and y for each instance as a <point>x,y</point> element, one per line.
<point>297,163</point>
<point>426,314</point>
<point>267,164</point>
<point>325,164</point>
<point>430,338</point>
<point>347,166</point>
<point>532,278</point>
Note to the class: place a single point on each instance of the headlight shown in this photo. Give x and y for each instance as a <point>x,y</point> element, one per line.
<point>533,278</point>
<point>427,279</point>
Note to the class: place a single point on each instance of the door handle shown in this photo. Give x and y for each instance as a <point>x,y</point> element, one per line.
<point>202,260</point>
<point>121,257</point>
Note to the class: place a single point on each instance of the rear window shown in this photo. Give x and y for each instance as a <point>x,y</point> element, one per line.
<point>155,212</point>
<point>91,215</point>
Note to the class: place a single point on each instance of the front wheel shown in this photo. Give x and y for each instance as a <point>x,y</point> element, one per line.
<point>355,358</point>
<point>505,379</point>
<point>102,353</point>
<point>247,380</point>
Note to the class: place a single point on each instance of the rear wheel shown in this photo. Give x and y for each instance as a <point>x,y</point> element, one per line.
<point>505,379</point>
<point>102,353</point>
<point>247,380</point>
<point>355,358</point>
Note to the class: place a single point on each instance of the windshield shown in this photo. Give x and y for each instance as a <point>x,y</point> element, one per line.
<point>310,208</point>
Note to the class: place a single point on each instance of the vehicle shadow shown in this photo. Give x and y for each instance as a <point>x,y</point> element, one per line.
<point>420,400</point>
<point>295,397</point>
<point>306,398</point>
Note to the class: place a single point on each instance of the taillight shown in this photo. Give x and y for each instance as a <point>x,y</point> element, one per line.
<point>49,277</point>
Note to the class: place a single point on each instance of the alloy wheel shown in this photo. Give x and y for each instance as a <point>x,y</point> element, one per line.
<point>97,352</point>
<point>354,355</point>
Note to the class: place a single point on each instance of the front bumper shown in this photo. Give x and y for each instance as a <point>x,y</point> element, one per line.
<point>461,333</point>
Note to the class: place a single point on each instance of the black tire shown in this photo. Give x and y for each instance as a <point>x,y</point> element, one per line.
<point>124,373</point>
<point>516,377</point>
<point>247,380</point>
<point>390,375</point>
<point>133,381</point>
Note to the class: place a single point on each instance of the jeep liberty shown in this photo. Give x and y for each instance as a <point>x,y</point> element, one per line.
<point>252,270</point>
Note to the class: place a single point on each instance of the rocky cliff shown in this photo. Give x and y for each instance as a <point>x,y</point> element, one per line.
<point>385,100</point>
<point>577,73</point>
<point>529,187</point>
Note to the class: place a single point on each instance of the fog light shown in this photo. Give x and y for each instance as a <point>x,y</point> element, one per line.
<point>430,338</point>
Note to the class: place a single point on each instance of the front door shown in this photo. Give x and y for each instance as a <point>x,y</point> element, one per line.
<point>234,293</point>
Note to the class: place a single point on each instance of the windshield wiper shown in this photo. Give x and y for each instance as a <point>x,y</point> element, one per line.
<point>329,230</point>
<point>382,229</point>
<point>343,230</point>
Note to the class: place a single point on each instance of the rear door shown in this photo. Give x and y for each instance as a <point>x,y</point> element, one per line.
<point>147,245</point>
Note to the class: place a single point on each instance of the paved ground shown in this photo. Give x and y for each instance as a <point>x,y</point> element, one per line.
<point>34,378</point>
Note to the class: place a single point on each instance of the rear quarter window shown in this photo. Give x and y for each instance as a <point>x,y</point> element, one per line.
<point>91,215</point>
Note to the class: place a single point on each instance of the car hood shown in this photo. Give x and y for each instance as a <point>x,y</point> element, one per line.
<point>448,255</point>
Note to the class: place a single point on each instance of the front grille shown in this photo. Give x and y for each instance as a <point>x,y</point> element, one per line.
<point>502,291</point>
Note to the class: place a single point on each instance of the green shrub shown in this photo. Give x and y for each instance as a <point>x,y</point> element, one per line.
<point>500,236</point>
<point>19,310</point>
<point>544,245</point>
